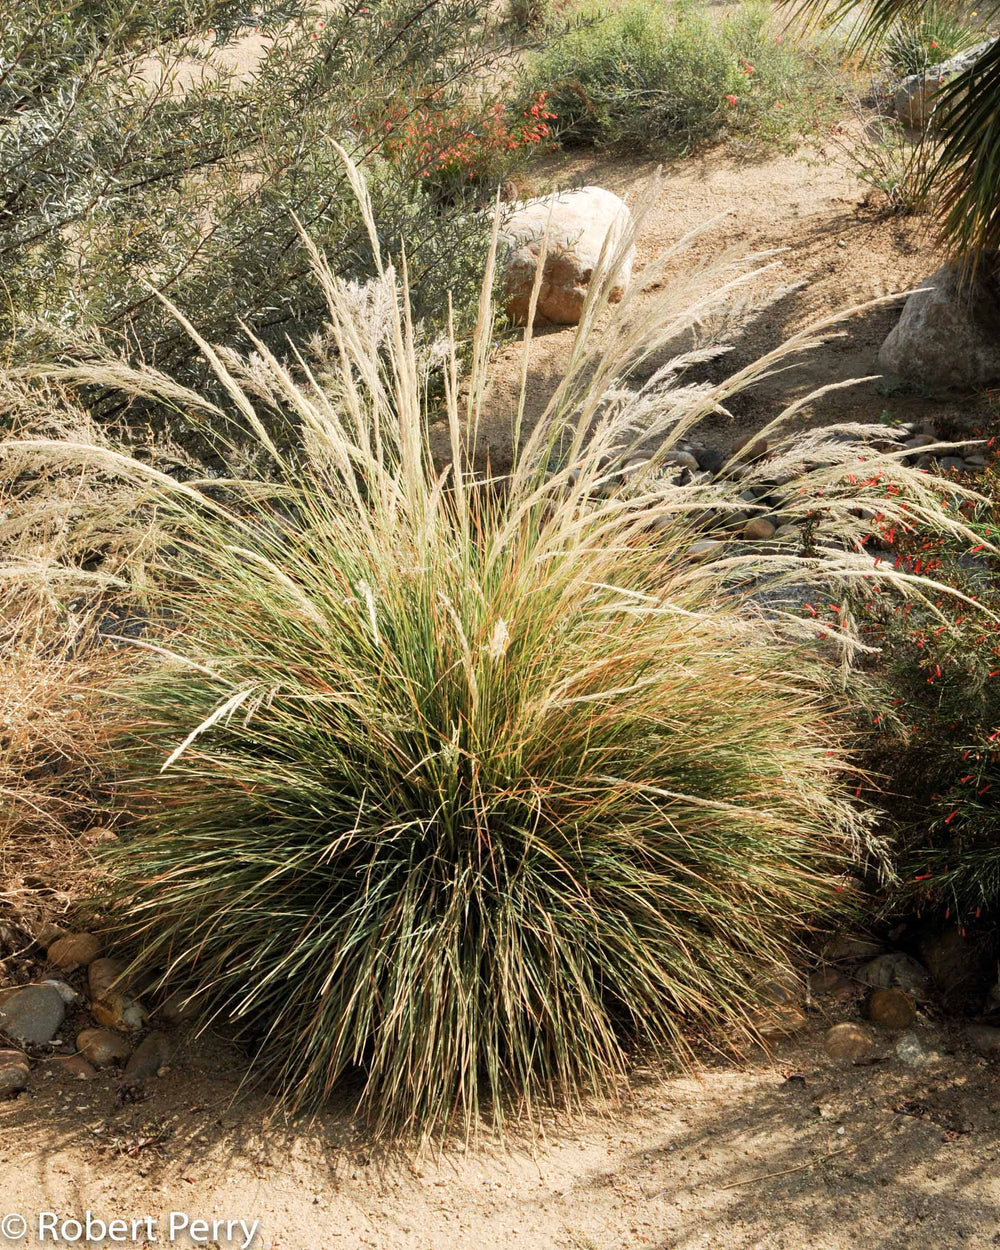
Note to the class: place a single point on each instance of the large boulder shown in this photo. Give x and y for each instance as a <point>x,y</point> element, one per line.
<point>577,224</point>
<point>914,95</point>
<point>949,332</point>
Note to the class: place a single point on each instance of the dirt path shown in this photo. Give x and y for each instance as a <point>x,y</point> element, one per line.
<point>807,206</point>
<point>916,1168</point>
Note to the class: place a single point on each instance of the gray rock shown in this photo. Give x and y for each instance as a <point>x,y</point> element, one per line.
<point>913,97</point>
<point>955,463</point>
<point>33,1015</point>
<point>896,971</point>
<point>911,1051</point>
<point>948,334</point>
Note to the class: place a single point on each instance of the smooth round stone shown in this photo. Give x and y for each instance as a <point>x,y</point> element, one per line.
<point>75,950</point>
<point>102,1047</point>
<point>101,976</point>
<point>891,1009</point>
<point>14,1072</point>
<point>848,1041</point>
<point>32,1015</point>
<point>759,528</point>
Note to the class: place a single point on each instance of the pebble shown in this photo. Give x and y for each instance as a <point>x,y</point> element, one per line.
<point>983,1038</point>
<point>848,1041</point>
<point>102,1047</point>
<point>101,976</point>
<point>32,1016</point>
<point>119,1011</point>
<point>891,1009</point>
<point>73,951</point>
<point>706,549</point>
<point>150,1058</point>
<point>829,983</point>
<point>14,1072</point>
<point>911,1051</point>
<point>896,970</point>
<point>759,528</point>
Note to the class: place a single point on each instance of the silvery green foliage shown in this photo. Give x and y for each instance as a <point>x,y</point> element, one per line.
<point>116,179</point>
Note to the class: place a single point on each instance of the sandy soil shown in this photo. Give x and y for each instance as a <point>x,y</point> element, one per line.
<point>791,1153</point>
<point>808,205</point>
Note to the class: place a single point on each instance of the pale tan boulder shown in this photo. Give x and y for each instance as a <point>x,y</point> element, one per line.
<point>577,223</point>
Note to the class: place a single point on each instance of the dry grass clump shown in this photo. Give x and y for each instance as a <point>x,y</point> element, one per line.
<point>471,786</point>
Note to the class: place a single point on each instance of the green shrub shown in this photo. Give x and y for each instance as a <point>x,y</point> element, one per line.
<point>654,75</point>
<point>470,787</point>
<point>937,34</point>
<point>121,171</point>
<point>933,746</point>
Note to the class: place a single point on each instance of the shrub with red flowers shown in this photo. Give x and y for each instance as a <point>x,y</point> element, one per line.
<point>453,148</point>
<point>934,744</point>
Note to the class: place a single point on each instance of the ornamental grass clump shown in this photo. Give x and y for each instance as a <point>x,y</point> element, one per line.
<point>466,787</point>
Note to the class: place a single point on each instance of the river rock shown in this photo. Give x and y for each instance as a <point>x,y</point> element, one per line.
<point>829,983</point>
<point>119,1011</point>
<point>893,1010</point>
<point>102,1047</point>
<point>577,224</point>
<point>32,1016</point>
<point>896,971</point>
<point>984,1038</point>
<point>73,951</point>
<point>101,976</point>
<point>150,1059</point>
<point>14,1072</point>
<point>177,1008</point>
<point>914,95</point>
<point>759,528</point>
<point>848,1041</point>
<point>948,334</point>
